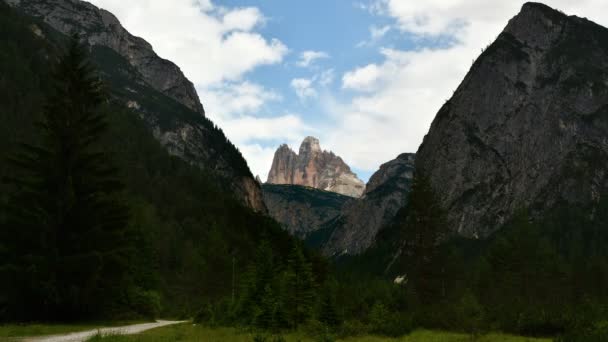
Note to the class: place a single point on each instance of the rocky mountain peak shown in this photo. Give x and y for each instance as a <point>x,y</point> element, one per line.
<point>315,168</point>
<point>310,145</point>
<point>526,126</point>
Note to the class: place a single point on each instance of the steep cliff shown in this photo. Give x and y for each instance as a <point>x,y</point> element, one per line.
<point>527,127</point>
<point>154,88</point>
<point>314,168</point>
<point>361,220</point>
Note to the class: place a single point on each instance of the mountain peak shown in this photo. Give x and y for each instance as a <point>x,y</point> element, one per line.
<point>315,168</point>
<point>310,144</point>
<point>525,125</point>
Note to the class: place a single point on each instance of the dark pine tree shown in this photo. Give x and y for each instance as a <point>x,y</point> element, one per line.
<point>424,228</point>
<point>65,222</point>
<point>328,312</point>
<point>299,294</point>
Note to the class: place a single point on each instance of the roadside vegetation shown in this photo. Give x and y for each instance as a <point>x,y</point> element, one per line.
<point>198,333</point>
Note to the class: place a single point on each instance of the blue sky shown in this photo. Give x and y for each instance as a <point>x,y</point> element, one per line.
<point>366,77</point>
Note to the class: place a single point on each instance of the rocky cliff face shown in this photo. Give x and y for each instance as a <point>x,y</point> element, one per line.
<point>528,126</point>
<point>302,210</point>
<point>361,220</point>
<point>100,27</point>
<point>154,88</point>
<point>315,168</point>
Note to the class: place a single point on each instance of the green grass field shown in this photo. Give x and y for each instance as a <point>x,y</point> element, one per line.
<point>197,333</point>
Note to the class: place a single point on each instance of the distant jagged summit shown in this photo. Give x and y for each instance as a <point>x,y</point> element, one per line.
<point>315,168</point>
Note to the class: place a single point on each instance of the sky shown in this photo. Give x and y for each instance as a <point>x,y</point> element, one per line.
<point>365,77</point>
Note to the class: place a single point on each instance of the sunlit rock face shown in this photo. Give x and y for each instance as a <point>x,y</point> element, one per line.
<point>315,168</point>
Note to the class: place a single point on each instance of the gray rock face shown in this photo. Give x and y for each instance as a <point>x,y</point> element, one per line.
<point>101,27</point>
<point>361,220</point>
<point>302,210</point>
<point>528,126</point>
<point>158,92</point>
<point>314,168</point>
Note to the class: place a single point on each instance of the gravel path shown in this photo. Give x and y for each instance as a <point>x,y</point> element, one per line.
<point>84,335</point>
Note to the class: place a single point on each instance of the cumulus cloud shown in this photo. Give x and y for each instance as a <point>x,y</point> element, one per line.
<point>396,100</point>
<point>307,58</point>
<point>306,88</point>
<point>234,98</point>
<point>211,44</point>
<point>303,88</point>
<point>362,79</point>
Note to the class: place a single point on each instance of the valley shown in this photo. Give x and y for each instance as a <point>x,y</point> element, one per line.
<point>122,199</point>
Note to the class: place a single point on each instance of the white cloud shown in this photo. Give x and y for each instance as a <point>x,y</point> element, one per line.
<point>304,88</point>
<point>378,32</point>
<point>326,78</point>
<point>307,58</point>
<point>211,44</point>
<point>229,99</point>
<point>397,99</point>
<point>362,79</point>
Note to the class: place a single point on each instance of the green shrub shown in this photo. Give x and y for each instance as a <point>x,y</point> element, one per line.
<point>353,328</point>
<point>144,302</point>
<point>392,324</point>
<point>260,338</point>
<point>598,332</point>
<point>205,315</point>
<point>470,313</point>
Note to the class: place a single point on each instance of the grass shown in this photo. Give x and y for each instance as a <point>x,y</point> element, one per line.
<point>41,329</point>
<point>196,333</point>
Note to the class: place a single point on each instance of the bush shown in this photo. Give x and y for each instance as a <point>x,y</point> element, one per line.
<point>353,328</point>
<point>471,314</point>
<point>205,315</point>
<point>598,332</point>
<point>144,302</point>
<point>262,338</point>
<point>314,329</point>
<point>392,324</point>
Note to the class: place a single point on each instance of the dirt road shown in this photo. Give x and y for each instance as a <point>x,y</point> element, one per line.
<point>82,336</point>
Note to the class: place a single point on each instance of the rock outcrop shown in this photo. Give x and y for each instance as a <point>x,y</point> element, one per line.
<point>314,168</point>
<point>155,89</point>
<point>528,126</point>
<point>100,27</point>
<point>302,210</point>
<point>360,220</point>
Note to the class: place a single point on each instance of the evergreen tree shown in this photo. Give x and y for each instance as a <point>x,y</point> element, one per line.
<point>66,225</point>
<point>424,228</point>
<point>327,310</point>
<point>299,294</point>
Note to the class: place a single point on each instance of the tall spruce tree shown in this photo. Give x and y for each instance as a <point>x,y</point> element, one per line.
<point>424,228</point>
<point>68,245</point>
<point>299,295</point>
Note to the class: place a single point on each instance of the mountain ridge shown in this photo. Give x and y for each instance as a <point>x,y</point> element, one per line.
<point>181,127</point>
